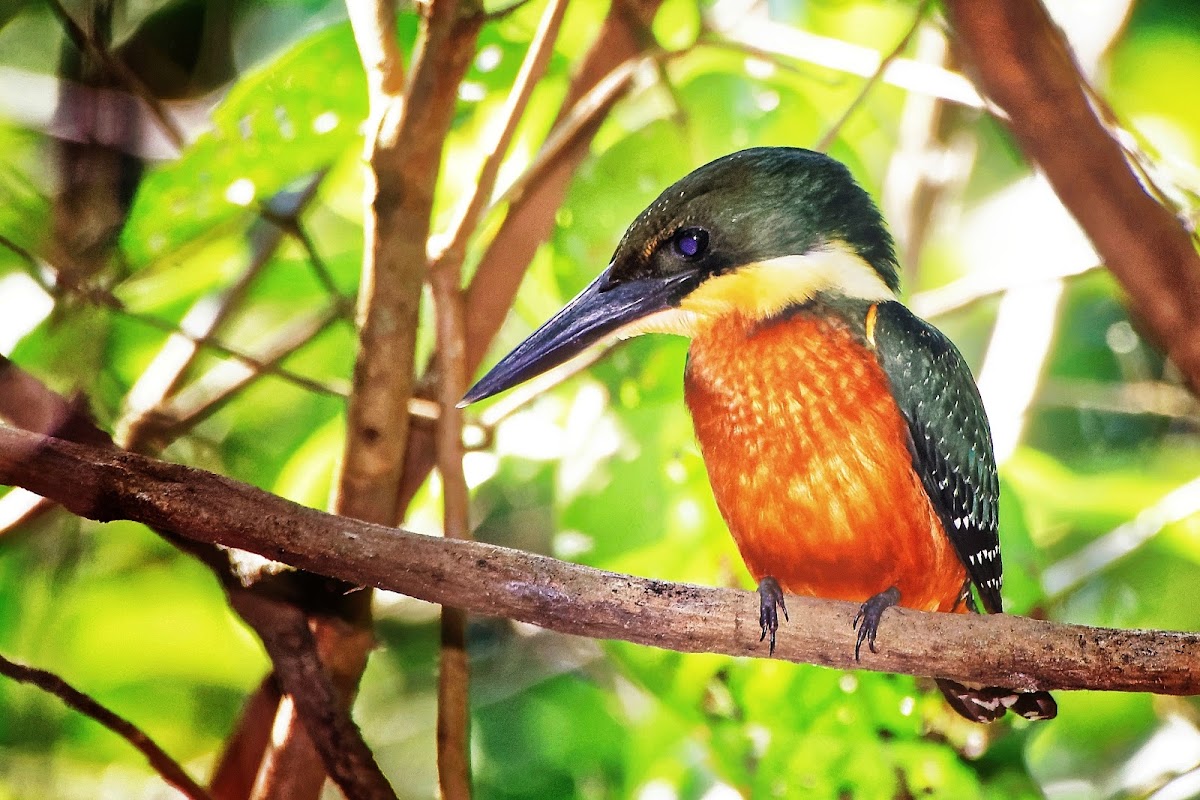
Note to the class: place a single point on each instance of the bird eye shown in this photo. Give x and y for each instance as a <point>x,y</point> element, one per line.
<point>691,242</point>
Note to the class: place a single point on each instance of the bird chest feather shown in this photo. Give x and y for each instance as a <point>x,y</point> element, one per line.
<point>807,455</point>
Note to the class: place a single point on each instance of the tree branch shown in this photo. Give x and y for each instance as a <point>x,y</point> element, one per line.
<point>454,711</point>
<point>602,78</point>
<point>532,68</point>
<point>830,136</point>
<point>306,683</point>
<point>997,650</point>
<point>167,768</point>
<point>1023,63</point>
<point>406,135</point>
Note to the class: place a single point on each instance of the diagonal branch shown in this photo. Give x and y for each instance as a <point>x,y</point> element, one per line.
<point>830,136</point>
<point>406,135</point>
<point>998,650</point>
<point>1023,63</point>
<point>167,768</point>
<point>286,635</point>
<point>532,69</point>
<point>602,78</point>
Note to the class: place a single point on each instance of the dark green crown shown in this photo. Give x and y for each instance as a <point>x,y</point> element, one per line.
<point>755,205</point>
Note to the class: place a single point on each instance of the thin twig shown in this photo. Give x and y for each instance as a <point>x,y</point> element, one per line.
<point>173,416</point>
<point>997,650</point>
<point>162,377</point>
<point>319,267</point>
<point>33,262</point>
<point>932,160</point>
<point>593,106</point>
<point>764,37</point>
<point>166,767</point>
<point>454,730</point>
<point>1120,397</point>
<point>453,726</point>
<point>1067,574</point>
<point>257,364</point>
<point>971,289</point>
<point>601,78</point>
<point>106,299</point>
<point>527,392</point>
<point>532,69</point>
<point>831,134</point>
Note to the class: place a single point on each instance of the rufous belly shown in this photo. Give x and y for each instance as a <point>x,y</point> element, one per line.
<point>807,457</point>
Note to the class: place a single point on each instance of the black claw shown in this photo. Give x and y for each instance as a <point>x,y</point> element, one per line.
<point>770,597</point>
<point>966,597</point>
<point>869,614</point>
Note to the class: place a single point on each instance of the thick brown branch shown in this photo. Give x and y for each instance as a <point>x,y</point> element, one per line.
<point>289,641</point>
<point>404,154</point>
<point>406,136</point>
<point>484,579</point>
<point>1023,63</point>
<point>236,771</point>
<point>163,764</point>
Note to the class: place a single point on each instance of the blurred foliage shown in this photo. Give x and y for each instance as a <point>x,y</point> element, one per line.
<point>602,470</point>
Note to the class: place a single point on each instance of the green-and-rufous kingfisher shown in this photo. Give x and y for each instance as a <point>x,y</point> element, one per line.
<point>844,437</point>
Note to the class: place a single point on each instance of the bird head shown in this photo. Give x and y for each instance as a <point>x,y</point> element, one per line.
<point>752,233</point>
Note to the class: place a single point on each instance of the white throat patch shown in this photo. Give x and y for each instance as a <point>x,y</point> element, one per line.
<point>763,289</point>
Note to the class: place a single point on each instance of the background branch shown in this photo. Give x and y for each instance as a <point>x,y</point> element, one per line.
<point>485,579</point>
<point>607,69</point>
<point>167,768</point>
<point>1022,61</point>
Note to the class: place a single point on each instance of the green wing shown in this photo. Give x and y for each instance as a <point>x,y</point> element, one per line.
<point>950,440</point>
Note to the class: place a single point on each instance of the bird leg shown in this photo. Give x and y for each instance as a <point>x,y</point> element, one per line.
<point>770,598</point>
<point>869,614</point>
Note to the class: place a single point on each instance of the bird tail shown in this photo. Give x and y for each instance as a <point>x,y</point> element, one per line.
<point>988,703</point>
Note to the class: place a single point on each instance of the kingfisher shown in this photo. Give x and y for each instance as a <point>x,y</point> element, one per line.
<point>844,437</point>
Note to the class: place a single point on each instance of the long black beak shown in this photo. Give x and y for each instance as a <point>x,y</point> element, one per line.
<point>601,309</point>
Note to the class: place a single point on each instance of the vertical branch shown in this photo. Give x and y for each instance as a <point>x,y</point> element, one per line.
<point>408,126</point>
<point>453,727</point>
<point>454,713</point>
<point>398,198</point>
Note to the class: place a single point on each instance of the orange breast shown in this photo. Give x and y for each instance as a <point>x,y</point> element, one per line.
<point>807,456</point>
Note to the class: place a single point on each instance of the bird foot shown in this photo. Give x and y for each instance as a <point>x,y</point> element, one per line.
<point>869,615</point>
<point>770,596</point>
